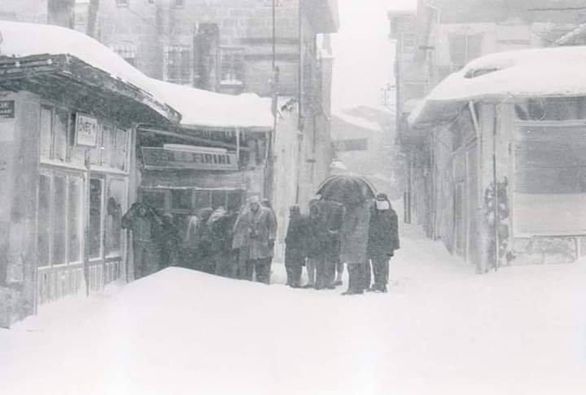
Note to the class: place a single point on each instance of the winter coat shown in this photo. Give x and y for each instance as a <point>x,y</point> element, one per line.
<point>240,231</point>
<point>317,236</point>
<point>296,238</point>
<point>261,227</point>
<point>354,233</point>
<point>145,228</point>
<point>383,234</point>
<point>333,217</point>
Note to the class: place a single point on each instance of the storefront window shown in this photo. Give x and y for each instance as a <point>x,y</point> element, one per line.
<point>551,160</point>
<point>59,220</point>
<point>75,219</point>
<point>44,220</point>
<point>202,199</point>
<point>60,138</point>
<point>46,132</point>
<point>95,224</point>
<point>108,142</point>
<point>218,199</point>
<point>154,199</point>
<point>181,199</point>
<point>114,204</point>
<point>121,149</point>
<point>235,200</point>
<point>96,153</point>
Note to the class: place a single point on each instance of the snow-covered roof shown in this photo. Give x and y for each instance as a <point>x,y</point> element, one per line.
<point>197,107</point>
<point>203,108</point>
<point>507,75</point>
<point>357,121</point>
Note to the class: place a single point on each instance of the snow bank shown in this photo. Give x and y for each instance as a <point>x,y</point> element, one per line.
<point>506,75</point>
<point>441,330</point>
<point>197,107</point>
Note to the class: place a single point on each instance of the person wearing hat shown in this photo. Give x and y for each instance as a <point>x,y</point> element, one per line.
<point>295,246</point>
<point>383,240</point>
<point>258,221</point>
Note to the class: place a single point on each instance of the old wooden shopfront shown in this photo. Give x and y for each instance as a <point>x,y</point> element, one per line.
<point>66,146</point>
<point>187,169</point>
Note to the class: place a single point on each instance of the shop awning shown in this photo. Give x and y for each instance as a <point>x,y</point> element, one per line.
<point>506,76</point>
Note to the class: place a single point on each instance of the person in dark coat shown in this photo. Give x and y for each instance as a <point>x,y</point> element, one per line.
<point>169,241</point>
<point>383,240</point>
<point>205,259</point>
<point>295,246</point>
<point>220,224</point>
<point>354,244</point>
<point>317,234</point>
<point>144,224</point>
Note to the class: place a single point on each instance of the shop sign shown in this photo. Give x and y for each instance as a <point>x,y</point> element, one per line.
<point>351,145</point>
<point>161,158</point>
<point>6,109</point>
<point>86,130</point>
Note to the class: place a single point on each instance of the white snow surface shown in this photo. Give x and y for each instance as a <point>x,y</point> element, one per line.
<point>441,330</point>
<point>197,107</point>
<point>513,74</point>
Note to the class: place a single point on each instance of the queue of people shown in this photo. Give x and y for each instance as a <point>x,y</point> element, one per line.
<point>216,241</point>
<point>362,236</point>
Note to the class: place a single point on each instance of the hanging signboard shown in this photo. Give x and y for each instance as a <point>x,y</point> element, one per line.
<point>6,109</point>
<point>161,158</point>
<point>350,145</point>
<point>86,130</point>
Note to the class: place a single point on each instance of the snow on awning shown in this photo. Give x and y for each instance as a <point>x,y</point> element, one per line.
<point>506,76</point>
<point>201,108</point>
<point>197,107</point>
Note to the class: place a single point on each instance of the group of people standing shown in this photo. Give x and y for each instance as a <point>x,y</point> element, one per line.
<point>234,244</point>
<point>364,236</point>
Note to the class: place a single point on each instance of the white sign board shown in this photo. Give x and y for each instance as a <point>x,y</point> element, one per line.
<point>86,130</point>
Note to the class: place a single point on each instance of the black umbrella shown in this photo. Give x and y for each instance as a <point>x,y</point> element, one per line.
<point>345,189</point>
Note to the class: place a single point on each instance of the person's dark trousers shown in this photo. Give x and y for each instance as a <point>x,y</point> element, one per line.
<point>320,272</point>
<point>225,264</point>
<point>380,266</point>
<point>356,277</point>
<point>294,266</point>
<point>262,269</point>
<point>246,269</point>
<point>326,272</point>
<point>368,273</point>
<point>330,269</point>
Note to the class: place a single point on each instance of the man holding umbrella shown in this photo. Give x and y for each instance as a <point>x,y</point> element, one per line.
<point>356,195</point>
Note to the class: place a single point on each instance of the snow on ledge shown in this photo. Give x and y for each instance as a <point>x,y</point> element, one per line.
<point>197,107</point>
<point>514,74</point>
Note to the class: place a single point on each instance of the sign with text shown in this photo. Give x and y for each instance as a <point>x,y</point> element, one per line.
<point>86,130</point>
<point>6,109</point>
<point>161,158</point>
<point>350,145</point>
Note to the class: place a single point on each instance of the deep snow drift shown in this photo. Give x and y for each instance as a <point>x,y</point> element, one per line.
<point>441,330</point>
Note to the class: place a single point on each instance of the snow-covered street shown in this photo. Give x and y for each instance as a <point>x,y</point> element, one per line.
<point>441,329</point>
